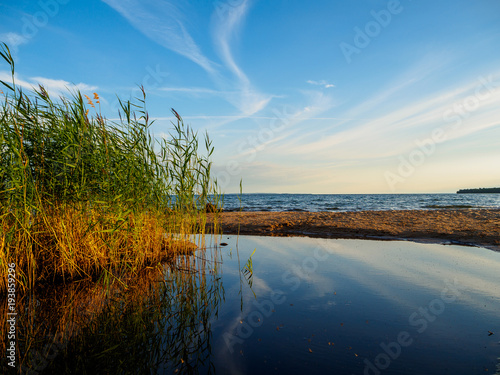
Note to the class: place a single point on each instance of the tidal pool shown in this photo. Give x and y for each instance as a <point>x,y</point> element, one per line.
<point>268,305</point>
<point>318,306</point>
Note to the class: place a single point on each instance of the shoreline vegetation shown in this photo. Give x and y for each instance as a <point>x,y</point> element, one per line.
<point>479,191</point>
<point>475,227</point>
<point>82,197</point>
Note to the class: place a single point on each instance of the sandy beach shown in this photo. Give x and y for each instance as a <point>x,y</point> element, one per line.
<point>480,227</point>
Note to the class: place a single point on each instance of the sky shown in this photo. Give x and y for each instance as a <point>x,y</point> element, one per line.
<point>324,96</point>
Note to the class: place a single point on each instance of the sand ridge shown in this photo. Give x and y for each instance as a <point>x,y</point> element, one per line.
<point>462,226</point>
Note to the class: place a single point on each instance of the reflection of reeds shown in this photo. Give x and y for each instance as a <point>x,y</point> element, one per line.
<point>160,322</point>
<point>82,197</point>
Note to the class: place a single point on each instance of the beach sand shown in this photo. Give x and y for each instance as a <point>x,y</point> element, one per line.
<point>480,227</point>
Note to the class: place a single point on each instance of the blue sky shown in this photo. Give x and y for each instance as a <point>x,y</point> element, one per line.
<point>323,96</point>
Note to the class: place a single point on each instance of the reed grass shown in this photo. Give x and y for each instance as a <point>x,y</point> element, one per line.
<point>85,197</point>
<point>159,324</point>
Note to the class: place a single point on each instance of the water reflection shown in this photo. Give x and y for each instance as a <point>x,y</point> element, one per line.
<point>277,305</point>
<point>342,299</point>
<point>160,324</point>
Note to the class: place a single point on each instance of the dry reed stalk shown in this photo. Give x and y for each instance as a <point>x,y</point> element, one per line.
<point>83,197</point>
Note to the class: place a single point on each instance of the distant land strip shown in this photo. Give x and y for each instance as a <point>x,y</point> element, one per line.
<point>479,191</point>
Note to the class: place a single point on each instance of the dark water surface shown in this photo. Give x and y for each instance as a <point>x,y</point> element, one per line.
<point>300,306</point>
<point>357,202</point>
<point>359,307</point>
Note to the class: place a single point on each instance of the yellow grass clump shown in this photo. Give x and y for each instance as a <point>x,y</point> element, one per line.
<point>84,197</point>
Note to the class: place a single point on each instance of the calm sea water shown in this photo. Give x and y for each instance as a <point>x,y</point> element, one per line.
<point>320,306</point>
<point>357,202</point>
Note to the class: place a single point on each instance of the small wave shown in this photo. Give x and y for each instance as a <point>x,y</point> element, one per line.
<point>451,206</point>
<point>332,208</point>
<point>232,209</point>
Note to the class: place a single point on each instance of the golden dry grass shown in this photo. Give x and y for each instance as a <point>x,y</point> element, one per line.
<point>85,197</point>
<point>71,244</point>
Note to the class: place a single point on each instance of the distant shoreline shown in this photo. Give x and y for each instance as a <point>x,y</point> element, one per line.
<point>479,191</point>
<point>473,227</point>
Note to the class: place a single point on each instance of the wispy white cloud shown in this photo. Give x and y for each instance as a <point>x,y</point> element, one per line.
<point>225,30</point>
<point>289,122</point>
<point>353,150</point>
<point>394,131</point>
<point>429,65</point>
<point>161,21</point>
<point>323,83</point>
<point>60,86</point>
<point>192,90</point>
<point>54,87</point>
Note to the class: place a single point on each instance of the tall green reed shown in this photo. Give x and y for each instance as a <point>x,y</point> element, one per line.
<point>82,196</point>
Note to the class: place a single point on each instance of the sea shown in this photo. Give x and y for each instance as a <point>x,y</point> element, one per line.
<point>357,202</point>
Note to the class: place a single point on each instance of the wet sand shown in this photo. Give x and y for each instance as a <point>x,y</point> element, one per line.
<point>479,227</point>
